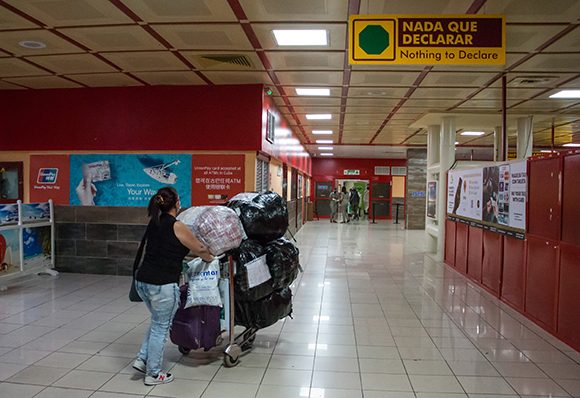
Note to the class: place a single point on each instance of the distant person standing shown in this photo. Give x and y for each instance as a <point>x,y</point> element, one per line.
<point>354,203</point>
<point>343,208</point>
<point>334,198</point>
<point>366,198</point>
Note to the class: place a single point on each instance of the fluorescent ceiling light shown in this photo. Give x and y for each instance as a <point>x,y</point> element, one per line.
<point>322,132</point>
<point>546,151</point>
<point>319,116</point>
<point>566,94</point>
<point>282,132</point>
<point>288,141</point>
<point>324,141</point>
<point>301,37</point>
<point>570,144</point>
<point>325,148</point>
<point>474,133</point>
<point>326,154</point>
<point>313,91</point>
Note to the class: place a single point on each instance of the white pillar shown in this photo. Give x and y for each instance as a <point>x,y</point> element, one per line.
<point>446,159</point>
<point>433,150</point>
<point>497,144</point>
<point>525,137</point>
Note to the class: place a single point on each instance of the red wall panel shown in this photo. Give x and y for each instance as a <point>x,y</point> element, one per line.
<point>542,280</point>
<point>450,242</point>
<point>569,298</point>
<point>544,198</point>
<point>571,200</point>
<point>475,253</point>
<point>133,118</point>
<point>491,269</point>
<point>461,247</point>
<point>336,167</point>
<point>514,272</point>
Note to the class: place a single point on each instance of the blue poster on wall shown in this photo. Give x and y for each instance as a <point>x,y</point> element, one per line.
<point>127,180</point>
<point>37,247</point>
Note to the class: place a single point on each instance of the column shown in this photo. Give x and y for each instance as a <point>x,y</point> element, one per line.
<point>525,137</point>
<point>497,144</point>
<point>446,159</point>
<point>433,150</point>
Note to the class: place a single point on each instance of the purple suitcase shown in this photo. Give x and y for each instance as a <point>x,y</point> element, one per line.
<point>195,327</point>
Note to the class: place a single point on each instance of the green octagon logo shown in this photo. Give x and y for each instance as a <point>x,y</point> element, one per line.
<point>374,39</point>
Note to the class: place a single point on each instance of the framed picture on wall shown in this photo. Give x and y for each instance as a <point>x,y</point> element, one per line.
<point>270,124</point>
<point>11,183</point>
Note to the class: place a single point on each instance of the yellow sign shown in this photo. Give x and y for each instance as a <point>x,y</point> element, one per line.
<point>427,39</point>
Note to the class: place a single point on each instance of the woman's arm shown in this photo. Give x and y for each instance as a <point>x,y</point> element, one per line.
<point>188,239</point>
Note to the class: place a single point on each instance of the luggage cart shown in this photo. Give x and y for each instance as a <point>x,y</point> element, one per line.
<point>236,345</point>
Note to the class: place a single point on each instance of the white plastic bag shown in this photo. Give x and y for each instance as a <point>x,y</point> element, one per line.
<point>203,283</point>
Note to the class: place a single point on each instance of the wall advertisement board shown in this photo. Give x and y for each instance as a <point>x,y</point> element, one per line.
<point>491,197</point>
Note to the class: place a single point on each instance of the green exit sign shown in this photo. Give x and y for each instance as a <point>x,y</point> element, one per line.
<point>352,172</point>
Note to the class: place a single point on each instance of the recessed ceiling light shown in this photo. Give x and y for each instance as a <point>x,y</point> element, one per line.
<point>32,44</point>
<point>327,154</point>
<point>301,37</point>
<point>322,132</point>
<point>566,94</point>
<point>474,133</point>
<point>456,142</point>
<point>313,91</point>
<point>324,141</point>
<point>570,144</point>
<point>325,148</point>
<point>319,116</point>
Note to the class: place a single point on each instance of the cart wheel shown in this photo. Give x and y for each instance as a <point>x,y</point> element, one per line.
<point>184,350</point>
<point>230,361</point>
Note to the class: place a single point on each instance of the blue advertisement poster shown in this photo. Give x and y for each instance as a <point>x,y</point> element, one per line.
<point>36,212</point>
<point>9,214</point>
<point>127,180</point>
<point>36,244</point>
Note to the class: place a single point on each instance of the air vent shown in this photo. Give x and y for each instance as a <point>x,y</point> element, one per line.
<point>217,60</point>
<point>532,81</point>
<point>399,171</point>
<point>382,170</point>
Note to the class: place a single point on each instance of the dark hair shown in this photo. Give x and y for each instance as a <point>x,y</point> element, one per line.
<point>343,188</point>
<point>163,201</point>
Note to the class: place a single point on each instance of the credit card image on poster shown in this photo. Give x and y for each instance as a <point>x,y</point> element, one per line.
<point>100,171</point>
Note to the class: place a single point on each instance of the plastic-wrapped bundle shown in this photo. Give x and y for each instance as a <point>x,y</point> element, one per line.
<point>217,227</point>
<point>264,215</point>
<point>266,312</point>
<point>283,259</point>
<point>248,252</point>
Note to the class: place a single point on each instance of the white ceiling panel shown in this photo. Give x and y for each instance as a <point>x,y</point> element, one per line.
<point>232,77</point>
<point>551,63</point>
<point>535,11</point>
<point>54,44</point>
<point>295,10</point>
<point>378,79</point>
<point>414,7</point>
<point>205,36</point>
<point>181,10</point>
<point>310,79</point>
<point>296,60</point>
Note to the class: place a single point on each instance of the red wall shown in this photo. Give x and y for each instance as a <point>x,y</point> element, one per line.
<point>133,118</point>
<point>330,169</point>
<point>278,148</point>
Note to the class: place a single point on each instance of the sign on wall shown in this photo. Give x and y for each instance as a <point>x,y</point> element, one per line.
<point>217,178</point>
<point>492,197</point>
<point>432,199</point>
<point>127,180</point>
<point>351,172</point>
<point>49,178</point>
<point>427,39</point>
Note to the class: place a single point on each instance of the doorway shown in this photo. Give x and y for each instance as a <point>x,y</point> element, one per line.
<point>361,187</point>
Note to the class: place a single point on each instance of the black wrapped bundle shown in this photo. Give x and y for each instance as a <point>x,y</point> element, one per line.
<point>264,215</point>
<point>248,251</point>
<point>283,261</point>
<point>266,312</point>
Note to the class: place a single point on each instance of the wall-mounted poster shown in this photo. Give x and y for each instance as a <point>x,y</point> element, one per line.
<point>37,247</point>
<point>464,193</point>
<point>127,180</point>
<point>432,199</point>
<point>270,126</point>
<point>502,191</point>
<point>9,251</point>
<point>49,178</point>
<point>217,178</point>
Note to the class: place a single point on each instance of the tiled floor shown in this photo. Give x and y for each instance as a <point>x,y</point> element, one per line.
<point>374,317</point>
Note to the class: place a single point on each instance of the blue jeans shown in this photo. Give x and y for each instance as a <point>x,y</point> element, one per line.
<point>162,301</point>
